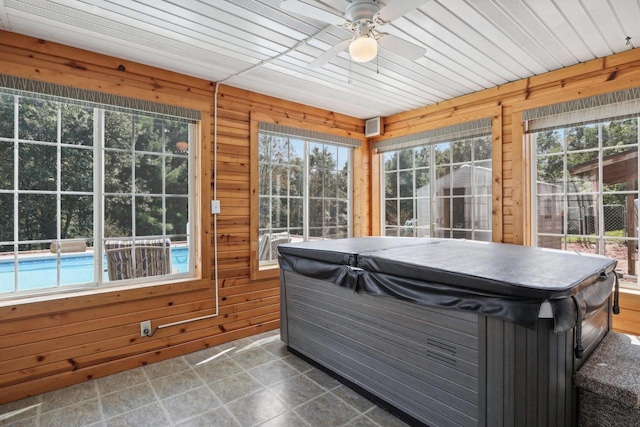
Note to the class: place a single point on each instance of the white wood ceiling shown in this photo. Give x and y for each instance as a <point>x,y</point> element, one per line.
<point>253,44</point>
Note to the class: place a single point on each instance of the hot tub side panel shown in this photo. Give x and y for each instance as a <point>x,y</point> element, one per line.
<point>528,373</point>
<point>420,360</point>
<point>442,367</point>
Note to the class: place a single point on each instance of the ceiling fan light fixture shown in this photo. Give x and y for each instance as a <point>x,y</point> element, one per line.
<point>363,48</point>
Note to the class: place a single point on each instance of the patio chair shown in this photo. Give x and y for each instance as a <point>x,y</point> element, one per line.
<point>152,258</point>
<point>268,246</point>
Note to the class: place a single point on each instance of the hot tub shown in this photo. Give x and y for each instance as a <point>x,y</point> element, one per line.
<point>449,332</point>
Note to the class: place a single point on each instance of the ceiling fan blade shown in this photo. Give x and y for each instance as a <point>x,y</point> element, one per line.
<point>311,11</point>
<point>398,8</point>
<point>401,47</point>
<point>330,54</point>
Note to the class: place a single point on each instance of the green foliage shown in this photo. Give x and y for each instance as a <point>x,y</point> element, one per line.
<point>407,176</point>
<point>41,122</point>
<point>281,186</point>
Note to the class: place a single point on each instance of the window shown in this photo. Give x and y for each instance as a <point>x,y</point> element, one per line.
<point>438,189</point>
<point>585,190</point>
<point>304,191</point>
<point>91,195</point>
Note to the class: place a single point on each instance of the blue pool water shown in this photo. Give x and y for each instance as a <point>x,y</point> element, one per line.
<point>39,272</point>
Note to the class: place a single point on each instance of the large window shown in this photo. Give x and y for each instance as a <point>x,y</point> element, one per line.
<point>585,191</point>
<point>441,189</point>
<point>91,195</point>
<point>304,192</point>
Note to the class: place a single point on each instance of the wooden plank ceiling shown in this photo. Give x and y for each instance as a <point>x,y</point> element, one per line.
<point>255,45</point>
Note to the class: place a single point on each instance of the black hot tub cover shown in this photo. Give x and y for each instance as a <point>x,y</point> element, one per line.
<point>493,279</point>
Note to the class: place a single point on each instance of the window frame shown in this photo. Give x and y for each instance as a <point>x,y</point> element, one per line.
<point>538,210</point>
<point>433,199</point>
<point>98,149</point>
<point>461,116</point>
<point>256,271</point>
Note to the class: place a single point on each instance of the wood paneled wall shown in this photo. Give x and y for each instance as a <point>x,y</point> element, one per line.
<point>609,74</point>
<point>51,343</point>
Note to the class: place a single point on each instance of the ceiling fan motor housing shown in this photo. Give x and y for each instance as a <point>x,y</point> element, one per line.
<point>362,10</point>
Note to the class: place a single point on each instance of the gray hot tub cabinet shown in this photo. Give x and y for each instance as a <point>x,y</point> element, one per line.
<point>448,332</point>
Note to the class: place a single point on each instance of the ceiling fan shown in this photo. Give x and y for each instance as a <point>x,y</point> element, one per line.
<point>362,18</point>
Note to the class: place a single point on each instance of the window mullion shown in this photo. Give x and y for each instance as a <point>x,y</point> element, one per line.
<point>601,241</point>
<point>414,194</point>
<point>163,159</point>
<point>432,189</point>
<point>191,189</point>
<point>58,193</point>
<point>565,202</point>
<point>98,194</point>
<point>349,195</point>
<point>305,193</point>
<point>132,150</point>
<point>474,195</point>
<point>534,187</point>
<point>16,218</point>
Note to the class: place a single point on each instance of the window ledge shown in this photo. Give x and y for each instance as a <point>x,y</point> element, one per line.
<point>266,272</point>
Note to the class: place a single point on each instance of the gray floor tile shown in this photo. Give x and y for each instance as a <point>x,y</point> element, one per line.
<point>384,418</point>
<point>273,372</point>
<point>204,356</point>
<point>235,387</point>
<point>257,382</point>
<point>296,390</point>
<point>147,416</point>
<point>362,421</point>
<point>297,363</point>
<point>288,419</point>
<point>354,399</point>
<point>277,348</point>
<point>256,408</point>
<point>218,369</point>
<point>236,345</point>
<point>19,410</point>
<point>68,396</point>
<point>126,400</point>
<point>254,357</point>
<point>323,379</point>
<point>121,380</point>
<point>327,410</point>
<point>27,422</point>
<point>80,414</point>
<point>166,367</point>
<point>176,383</point>
<point>193,402</point>
<point>219,417</point>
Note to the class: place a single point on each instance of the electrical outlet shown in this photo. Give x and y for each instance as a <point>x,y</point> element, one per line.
<point>145,328</point>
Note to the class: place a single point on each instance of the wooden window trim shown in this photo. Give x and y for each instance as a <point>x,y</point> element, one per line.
<point>495,112</point>
<point>82,296</point>
<point>255,272</point>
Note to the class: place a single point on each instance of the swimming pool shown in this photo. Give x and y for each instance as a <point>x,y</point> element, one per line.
<point>39,272</point>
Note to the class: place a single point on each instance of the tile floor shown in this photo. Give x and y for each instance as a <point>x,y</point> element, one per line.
<point>249,382</point>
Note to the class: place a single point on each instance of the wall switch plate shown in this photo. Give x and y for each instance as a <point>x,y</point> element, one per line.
<point>145,326</point>
<point>215,206</point>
